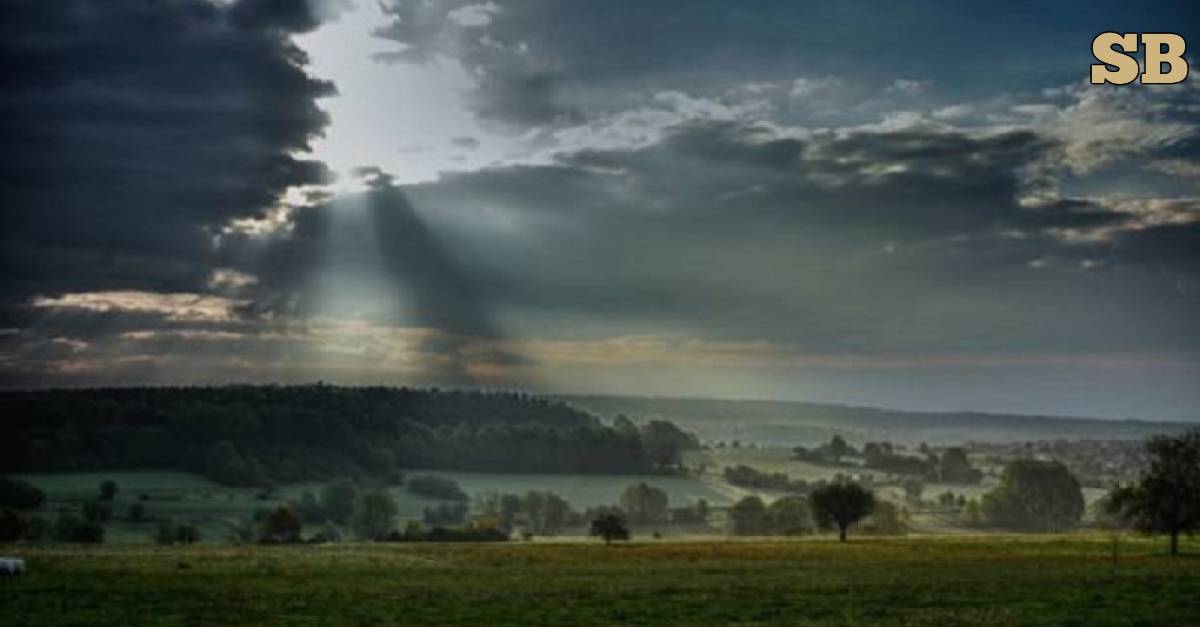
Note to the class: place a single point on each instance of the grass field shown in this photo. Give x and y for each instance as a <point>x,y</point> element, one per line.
<point>985,580</point>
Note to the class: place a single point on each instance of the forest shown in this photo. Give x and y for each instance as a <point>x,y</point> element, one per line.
<point>258,435</point>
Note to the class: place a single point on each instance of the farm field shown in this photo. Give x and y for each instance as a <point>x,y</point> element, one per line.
<point>979,580</point>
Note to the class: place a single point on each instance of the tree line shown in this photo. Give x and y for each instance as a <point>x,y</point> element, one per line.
<point>255,435</point>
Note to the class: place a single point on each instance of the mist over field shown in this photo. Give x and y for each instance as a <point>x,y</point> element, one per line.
<point>620,312</point>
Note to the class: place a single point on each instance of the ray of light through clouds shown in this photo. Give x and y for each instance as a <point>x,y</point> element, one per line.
<point>918,208</point>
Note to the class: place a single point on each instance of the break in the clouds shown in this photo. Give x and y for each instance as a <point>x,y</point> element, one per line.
<point>916,206</point>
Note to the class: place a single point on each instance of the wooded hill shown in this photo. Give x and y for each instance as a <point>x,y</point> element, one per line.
<point>251,435</point>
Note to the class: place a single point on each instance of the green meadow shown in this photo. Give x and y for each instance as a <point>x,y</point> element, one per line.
<point>979,580</point>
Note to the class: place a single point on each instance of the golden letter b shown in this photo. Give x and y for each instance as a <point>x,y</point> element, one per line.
<point>1162,48</point>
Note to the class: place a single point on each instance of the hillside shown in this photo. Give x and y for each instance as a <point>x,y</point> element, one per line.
<point>250,435</point>
<point>788,423</point>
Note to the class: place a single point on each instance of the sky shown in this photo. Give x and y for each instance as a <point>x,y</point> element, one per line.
<point>917,205</point>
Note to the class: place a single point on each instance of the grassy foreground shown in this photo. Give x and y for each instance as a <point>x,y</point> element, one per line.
<point>991,580</point>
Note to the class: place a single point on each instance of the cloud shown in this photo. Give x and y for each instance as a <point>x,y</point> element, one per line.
<point>134,131</point>
<point>542,63</point>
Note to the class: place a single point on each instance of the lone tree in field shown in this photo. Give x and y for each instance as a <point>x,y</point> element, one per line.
<point>841,505</point>
<point>108,490</point>
<point>838,448</point>
<point>1166,499</point>
<point>610,527</point>
<point>283,524</point>
<point>1035,495</point>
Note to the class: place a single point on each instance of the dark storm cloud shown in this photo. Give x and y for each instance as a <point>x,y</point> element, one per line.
<point>134,130</point>
<point>850,241</point>
<point>545,62</point>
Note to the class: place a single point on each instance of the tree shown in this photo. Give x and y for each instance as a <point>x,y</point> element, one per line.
<point>1034,495</point>
<point>645,504</point>
<point>283,524</point>
<point>375,515</point>
<point>19,494</point>
<point>749,517</point>
<point>838,448</point>
<point>337,499</point>
<point>547,512</point>
<point>1166,498</point>
<point>610,527</point>
<point>790,515</point>
<point>841,504</point>
<point>955,467</point>
<point>108,490</point>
